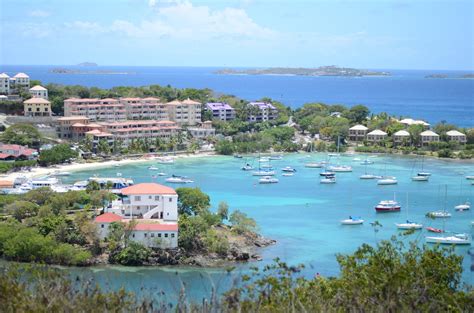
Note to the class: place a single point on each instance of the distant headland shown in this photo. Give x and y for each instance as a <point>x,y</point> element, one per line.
<point>62,70</point>
<point>331,70</point>
<point>87,64</point>
<point>465,76</point>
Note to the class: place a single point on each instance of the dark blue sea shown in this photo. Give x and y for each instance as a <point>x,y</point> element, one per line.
<point>406,92</point>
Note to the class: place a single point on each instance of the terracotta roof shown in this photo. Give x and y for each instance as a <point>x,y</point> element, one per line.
<point>156,227</point>
<point>147,189</point>
<point>189,101</point>
<point>72,118</point>
<point>6,184</point>
<point>37,100</point>
<point>108,218</point>
<point>78,125</point>
<point>5,155</point>
<point>174,102</point>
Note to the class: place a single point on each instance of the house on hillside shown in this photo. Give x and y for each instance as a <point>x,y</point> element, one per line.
<point>376,136</point>
<point>357,133</point>
<point>401,136</point>
<point>428,136</point>
<point>454,135</point>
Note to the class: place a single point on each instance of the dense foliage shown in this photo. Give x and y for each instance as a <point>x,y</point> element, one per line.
<point>56,155</point>
<point>22,134</point>
<point>8,166</point>
<point>385,278</point>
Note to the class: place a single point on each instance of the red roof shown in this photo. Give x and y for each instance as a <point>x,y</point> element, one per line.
<point>147,189</point>
<point>108,218</point>
<point>156,227</point>
<point>5,155</point>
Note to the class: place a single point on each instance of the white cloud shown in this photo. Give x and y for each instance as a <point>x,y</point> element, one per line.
<point>183,20</point>
<point>39,13</point>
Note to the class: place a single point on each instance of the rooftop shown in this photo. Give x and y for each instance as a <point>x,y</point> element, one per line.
<point>378,132</point>
<point>454,133</point>
<point>108,218</point>
<point>3,75</point>
<point>21,75</point>
<point>156,227</point>
<point>37,100</point>
<point>38,87</point>
<point>147,189</point>
<point>358,127</point>
<point>262,105</point>
<point>402,133</point>
<point>219,106</point>
<point>429,133</point>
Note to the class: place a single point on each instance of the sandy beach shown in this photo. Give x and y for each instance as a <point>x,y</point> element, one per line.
<point>43,171</point>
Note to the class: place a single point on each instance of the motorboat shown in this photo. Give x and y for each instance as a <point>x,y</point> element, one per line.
<point>115,183</point>
<point>387,181</point>
<point>368,176</point>
<point>356,159</point>
<point>58,174</point>
<point>237,156</point>
<point>264,159</point>
<point>420,178</point>
<point>165,160</point>
<point>456,239</point>
<point>247,167</point>
<point>314,165</point>
<point>117,165</point>
<point>388,206</point>
<point>175,179</point>
<point>366,162</point>
<point>352,221</point>
<point>340,168</point>
<point>152,168</point>
<point>288,169</point>
<point>434,230</point>
<point>161,174</point>
<point>423,174</point>
<point>263,173</point>
<point>439,214</point>
<point>328,180</point>
<point>79,185</point>
<point>463,207</point>
<point>267,166</point>
<point>327,174</point>
<point>409,225</point>
<point>470,177</point>
<point>118,174</point>
<point>333,154</point>
<point>288,174</point>
<point>275,157</point>
<point>268,180</point>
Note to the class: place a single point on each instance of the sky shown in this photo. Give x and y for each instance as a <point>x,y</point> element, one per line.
<point>372,34</point>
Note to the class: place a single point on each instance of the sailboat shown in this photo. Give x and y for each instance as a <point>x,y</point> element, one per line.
<point>339,168</point>
<point>387,180</point>
<point>261,171</point>
<point>456,239</point>
<point>421,176</point>
<point>408,224</point>
<point>366,175</point>
<point>462,206</point>
<point>313,164</point>
<point>352,220</point>
<point>439,213</point>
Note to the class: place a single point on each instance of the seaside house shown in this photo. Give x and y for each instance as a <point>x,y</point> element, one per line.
<point>4,84</point>
<point>19,82</point>
<point>203,131</point>
<point>261,112</point>
<point>107,109</point>
<point>149,108</point>
<point>357,132</point>
<point>39,92</point>
<point>37,107</point>
<point>401,137</point>
<point>221,110</point>
<point>454,135</point>
<point>428,136</point>
<point>16,152</point>
<point>376,136</point>
<point>153,207</point>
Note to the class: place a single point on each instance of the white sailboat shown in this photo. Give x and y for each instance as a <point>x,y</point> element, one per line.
<point>262,171</point>
<point>409,224</point>
<point>456,239</point>
<point>328,180</point>
<point>421,176</point>
<point>462,206</point>
<point>175,179</point>
<point>389,180</point>
<point>352,220</point>
<point>268,180</point>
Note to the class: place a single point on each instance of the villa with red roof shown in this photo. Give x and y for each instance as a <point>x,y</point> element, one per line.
<point>14,152</point>
<point>153,206</point>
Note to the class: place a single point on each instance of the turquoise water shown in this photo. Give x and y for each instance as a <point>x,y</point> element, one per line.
<point>301,214</point>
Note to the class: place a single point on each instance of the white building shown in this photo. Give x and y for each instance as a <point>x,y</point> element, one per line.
<point>357,132</point>
<point>20,81</point>
<point>454,135</point>
<point>410,121</point>
<point>4,84</point>
<point>401,136</point>
<point>148,201</point>
<point>39,92</point>
<point>155,209</point>
<point>376,136</point>
<point>204,131</point>
<point>150,234</point>
<point>428,136</point>
<point>262,112</point>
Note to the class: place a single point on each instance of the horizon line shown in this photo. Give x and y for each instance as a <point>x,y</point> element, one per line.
<point>240,66</point>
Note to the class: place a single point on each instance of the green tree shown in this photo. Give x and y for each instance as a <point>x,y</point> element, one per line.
<point>22,209</point>
<point>192,201</point>
<point>223,211</point>
<point>241,223</point>
<point>22,134</point>
<point>357,114</point>
<point>56,155</point>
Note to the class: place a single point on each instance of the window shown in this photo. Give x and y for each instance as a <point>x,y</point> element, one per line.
<point>133,235</point>
<point>166,235</point>
<point>170,199</point>
<point>157,198</point>
<point>138,198</point>
<point>102,225</point>
<point>149,197</point>
<point>172,235</point>
<point>159,235</point>
<point>152,234</point>
<point>145,235</point>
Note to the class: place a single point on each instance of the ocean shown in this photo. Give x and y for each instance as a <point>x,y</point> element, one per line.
<point>405,93</point>
<point>301,214</point>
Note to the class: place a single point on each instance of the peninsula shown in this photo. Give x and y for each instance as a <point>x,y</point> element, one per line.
<point>331,70</point>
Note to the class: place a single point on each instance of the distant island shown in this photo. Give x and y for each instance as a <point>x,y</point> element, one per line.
<point>62,70</point>
<point>465,76</point>
<point>331,70</point>
<point>87,64</point>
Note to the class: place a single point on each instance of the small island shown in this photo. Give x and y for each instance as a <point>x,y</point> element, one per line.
<point>436,76</point>
<point>62,70</point>
<point>87,64</point>
<point>331,70</point>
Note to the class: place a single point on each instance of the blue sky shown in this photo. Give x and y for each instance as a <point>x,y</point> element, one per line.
<point>366,34</point>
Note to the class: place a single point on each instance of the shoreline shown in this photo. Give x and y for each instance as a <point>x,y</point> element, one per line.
<point>76,167</point>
